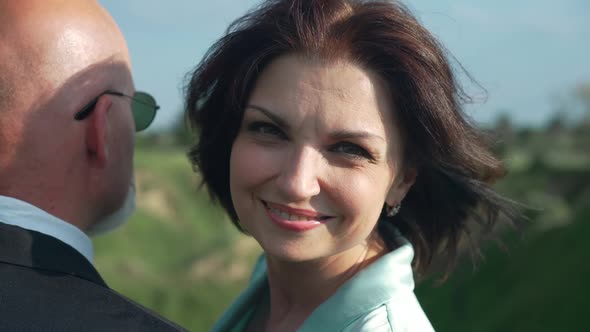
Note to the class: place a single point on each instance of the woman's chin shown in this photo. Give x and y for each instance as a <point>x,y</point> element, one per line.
<point>289,253</point>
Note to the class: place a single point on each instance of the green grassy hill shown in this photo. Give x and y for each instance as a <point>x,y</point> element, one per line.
<point>540,285</point>
<point>180,256</point>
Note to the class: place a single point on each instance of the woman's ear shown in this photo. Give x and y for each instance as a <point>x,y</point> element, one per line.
<point>97,133</point>
<point>400,187</point>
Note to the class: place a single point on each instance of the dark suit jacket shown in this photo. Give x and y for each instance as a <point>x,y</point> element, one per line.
<point>46,285</point>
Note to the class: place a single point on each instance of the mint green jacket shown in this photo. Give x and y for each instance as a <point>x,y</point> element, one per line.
<point>379,298</point>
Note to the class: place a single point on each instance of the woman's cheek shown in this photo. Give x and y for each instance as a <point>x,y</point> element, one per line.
<point>255,161</point>
<point>358,196</point>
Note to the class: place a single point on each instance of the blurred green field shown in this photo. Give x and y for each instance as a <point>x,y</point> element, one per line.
<point>180,255</point>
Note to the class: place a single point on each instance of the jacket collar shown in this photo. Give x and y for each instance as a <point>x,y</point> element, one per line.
<point>20,213</point>
<point>23,247</point>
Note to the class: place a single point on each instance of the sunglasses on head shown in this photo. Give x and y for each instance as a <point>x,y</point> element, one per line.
<point>143,107</point>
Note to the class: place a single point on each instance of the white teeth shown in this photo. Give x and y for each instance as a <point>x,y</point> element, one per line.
<point>287,216</point>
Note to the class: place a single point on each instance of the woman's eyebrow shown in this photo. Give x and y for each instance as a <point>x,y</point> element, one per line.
<point>354,134</point>
<point>274,117</point>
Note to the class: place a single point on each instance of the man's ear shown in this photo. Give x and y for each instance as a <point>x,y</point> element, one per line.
<point>97,133</point>
<point>401,186</point>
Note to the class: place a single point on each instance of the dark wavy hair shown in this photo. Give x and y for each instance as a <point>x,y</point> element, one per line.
<point>455,165</point>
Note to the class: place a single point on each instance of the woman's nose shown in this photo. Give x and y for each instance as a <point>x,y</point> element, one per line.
<point>298,179</point>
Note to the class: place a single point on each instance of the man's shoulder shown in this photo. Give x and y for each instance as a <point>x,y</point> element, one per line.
<point>32,299</point>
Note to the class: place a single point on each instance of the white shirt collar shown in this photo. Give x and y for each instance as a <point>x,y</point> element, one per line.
<point>22,214</point>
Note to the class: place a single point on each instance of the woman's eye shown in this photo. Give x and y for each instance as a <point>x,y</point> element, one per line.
<point>352,150</point>
<point>266,129</point>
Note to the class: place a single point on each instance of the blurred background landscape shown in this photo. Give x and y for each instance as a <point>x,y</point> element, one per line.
<point>180,256</point>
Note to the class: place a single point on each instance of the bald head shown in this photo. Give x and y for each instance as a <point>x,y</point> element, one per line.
<point>47,49</point>
<point>45,42</point>
<point>56,56</point>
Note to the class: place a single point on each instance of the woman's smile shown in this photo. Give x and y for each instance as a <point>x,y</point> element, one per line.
<point>295,219</point>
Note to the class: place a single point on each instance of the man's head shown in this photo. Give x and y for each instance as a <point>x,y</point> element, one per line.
<point>55,57</point>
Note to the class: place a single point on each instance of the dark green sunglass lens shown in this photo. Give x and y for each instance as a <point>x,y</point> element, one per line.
<point>144,110</point>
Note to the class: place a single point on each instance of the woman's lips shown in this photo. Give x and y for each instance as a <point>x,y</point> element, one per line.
<point>294,219</point>
<point>299,214</point>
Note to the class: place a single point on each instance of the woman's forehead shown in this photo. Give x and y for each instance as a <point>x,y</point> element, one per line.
<point>293,85</point>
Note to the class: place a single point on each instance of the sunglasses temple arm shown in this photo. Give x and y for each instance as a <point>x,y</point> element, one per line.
<point>83,113</point>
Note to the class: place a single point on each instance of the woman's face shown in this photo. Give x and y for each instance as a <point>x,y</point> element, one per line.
<point>316,157</point>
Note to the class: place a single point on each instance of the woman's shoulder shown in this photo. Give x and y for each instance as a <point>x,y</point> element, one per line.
<point>399,314</point>
<point>376,320</point>
<point>391,279</point>
<point>379,298</point>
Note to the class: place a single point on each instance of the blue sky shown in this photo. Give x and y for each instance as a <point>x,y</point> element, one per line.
<point>526,53</point>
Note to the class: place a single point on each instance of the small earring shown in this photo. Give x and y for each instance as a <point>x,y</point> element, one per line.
<point>392,210</point>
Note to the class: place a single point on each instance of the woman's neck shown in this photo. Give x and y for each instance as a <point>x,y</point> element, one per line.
<point>298,288</point>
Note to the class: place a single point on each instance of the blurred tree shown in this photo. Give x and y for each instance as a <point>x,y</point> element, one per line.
<point>582,95</point>
<point>504,133</point>
<point>582,128</point>
<point>503,126</point>
<point>557,124</point>
<point>181,131</point>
